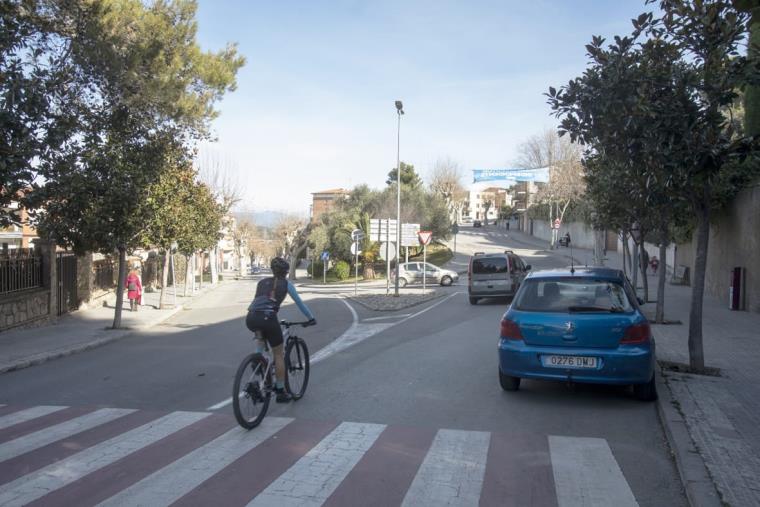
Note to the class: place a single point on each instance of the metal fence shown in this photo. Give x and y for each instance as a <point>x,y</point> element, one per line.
<point>104,274</point>
<point>18,273</point>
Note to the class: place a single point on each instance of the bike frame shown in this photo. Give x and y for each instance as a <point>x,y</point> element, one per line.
<point>267,352</point>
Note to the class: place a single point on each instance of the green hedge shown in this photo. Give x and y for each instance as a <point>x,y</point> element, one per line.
<point>341,270</point>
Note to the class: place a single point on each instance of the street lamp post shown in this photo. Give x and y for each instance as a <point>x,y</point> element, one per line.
<point>399,112</point>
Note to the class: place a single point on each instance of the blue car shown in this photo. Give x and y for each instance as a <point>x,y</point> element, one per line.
<point>577,325</point>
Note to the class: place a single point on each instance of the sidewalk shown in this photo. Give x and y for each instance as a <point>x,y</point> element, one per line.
<point>715,418</point>
<point>86,329</point>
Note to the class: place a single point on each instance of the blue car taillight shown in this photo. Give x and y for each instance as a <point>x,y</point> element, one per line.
<point>637,334</point>
<point>510,330</point>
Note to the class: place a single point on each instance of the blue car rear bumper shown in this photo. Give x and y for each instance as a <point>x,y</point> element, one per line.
<point>627,364</point>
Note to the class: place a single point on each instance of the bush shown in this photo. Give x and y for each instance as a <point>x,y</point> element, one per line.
<point>341,270</point>
<point>315,268</point>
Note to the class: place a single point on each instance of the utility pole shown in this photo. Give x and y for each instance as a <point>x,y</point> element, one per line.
<point>399,112</point>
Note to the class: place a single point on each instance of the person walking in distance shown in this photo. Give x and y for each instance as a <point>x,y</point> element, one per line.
<point>134,289</point>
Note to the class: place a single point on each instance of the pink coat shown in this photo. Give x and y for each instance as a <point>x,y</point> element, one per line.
<point>133,294</point>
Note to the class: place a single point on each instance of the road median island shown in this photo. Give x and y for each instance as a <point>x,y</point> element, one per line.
<point>381,302</point>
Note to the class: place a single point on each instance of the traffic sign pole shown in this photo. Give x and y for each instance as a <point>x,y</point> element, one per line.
<point>424,269</point>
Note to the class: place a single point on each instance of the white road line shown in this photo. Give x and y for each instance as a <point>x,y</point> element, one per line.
<point>349,337</point>
<point>313,478</point>
<point>386,317</point>
<point>356,333</point>
<point>453,470</point>
<point>429,307</point>
<point>587,474</point>
<point>37,484</point>
<point>173,481</point>
<point>46,436</point>
<point>27,415</point>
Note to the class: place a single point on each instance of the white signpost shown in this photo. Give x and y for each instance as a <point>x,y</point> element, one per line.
<point>425,237</point>
<point>383,230</point>
<point>357,235</point>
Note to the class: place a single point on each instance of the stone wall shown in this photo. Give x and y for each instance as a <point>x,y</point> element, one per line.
<point>734,242</point>
<point>24,308</point>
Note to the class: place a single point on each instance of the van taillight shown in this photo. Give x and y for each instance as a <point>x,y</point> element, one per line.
<point>637,334</point>
<point>510,330</point>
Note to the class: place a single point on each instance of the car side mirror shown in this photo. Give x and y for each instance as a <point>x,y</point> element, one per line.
<point>641,301</point>
<point>528,267</point>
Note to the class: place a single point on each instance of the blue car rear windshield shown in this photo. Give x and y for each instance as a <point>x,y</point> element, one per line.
<point>572,295</point>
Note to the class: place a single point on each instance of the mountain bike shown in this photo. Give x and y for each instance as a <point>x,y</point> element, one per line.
<point>255,381</point>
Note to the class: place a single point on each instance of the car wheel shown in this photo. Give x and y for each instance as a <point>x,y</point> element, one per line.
<point>402,282</point>
<point>646,392</point>
<point>446,281</point>
<point>509,383</point>
<point>473,301</point>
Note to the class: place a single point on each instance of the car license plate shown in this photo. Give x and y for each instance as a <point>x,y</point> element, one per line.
<point>569,361</point>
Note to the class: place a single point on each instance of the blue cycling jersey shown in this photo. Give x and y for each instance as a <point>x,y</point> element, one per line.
<point>271,292</point>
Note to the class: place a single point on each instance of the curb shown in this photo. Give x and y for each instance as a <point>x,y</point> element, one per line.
<point>415,303</point>
<point>695,479</point>
<point>111,336</point>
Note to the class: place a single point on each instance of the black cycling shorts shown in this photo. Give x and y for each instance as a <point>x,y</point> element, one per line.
<point>268,324</point>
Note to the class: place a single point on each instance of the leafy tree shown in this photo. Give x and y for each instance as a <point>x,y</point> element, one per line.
<point>672,125</point>
<point>40,99</point>
<point>150,90</point>
<point>409,176</point>
<point>487,205</point>
<point>173,215</point>
<point>293,233</point>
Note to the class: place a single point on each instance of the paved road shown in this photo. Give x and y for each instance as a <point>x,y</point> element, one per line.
<point>404,408</point>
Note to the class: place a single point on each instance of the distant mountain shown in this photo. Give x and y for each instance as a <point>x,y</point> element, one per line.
<point>266,218</point>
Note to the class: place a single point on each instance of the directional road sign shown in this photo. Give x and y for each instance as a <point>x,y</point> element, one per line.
<point>409,234</point>
<point>325,256</point>
<point>357,235</point>
<point>381,229</point>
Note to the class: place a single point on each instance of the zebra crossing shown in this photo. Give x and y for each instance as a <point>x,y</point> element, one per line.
<point>56,455</point>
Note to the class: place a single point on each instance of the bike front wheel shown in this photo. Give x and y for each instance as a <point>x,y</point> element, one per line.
<point>297,366</point>
<point>250,395</point>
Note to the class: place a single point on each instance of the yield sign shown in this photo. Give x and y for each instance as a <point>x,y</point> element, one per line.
<point>425,237</point>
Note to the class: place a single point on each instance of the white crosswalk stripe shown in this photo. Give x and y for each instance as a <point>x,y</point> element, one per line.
<point>453,469</point>
<point>586,473</point>
<point>39,483</point>
<point>27,415</point>
<point>46,436</point>
<point>315,476</point>
<point>452,472</point>
<point>171,482</point>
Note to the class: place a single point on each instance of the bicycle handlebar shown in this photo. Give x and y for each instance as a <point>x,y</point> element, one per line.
<point>305,323</point>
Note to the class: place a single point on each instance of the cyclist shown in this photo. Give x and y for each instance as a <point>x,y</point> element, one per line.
<point>262,316</point>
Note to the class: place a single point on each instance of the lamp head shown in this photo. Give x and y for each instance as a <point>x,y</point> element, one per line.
<point>400,107</point>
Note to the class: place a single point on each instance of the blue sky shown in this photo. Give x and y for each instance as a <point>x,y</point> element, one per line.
<point>314,105</point>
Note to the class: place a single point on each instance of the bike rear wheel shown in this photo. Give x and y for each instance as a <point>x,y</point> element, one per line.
<point>250,395</point>
<point>297,366</point>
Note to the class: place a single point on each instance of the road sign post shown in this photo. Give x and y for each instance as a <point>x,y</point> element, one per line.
<point>325,257</point>
<point>424,238</point>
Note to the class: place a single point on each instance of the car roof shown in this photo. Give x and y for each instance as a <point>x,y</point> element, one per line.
<point>598,272</point>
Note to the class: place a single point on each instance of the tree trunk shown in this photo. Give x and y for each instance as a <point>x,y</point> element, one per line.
<point>164,280</point>
<point>696,350</point>
<point>214,264</point>
<point>119,287</point>
<point>635,267</point>
<point>188,274</point>
<point>201,261</point>
<point>643,267</point>
<point>626,253</point>
<point>623,237</point>
<point>661,275</point>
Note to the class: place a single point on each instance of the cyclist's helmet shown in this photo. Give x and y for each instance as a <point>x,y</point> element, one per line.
<point>280,267</point>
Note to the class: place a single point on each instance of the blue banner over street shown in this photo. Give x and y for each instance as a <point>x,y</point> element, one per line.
<point>540,175</point>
